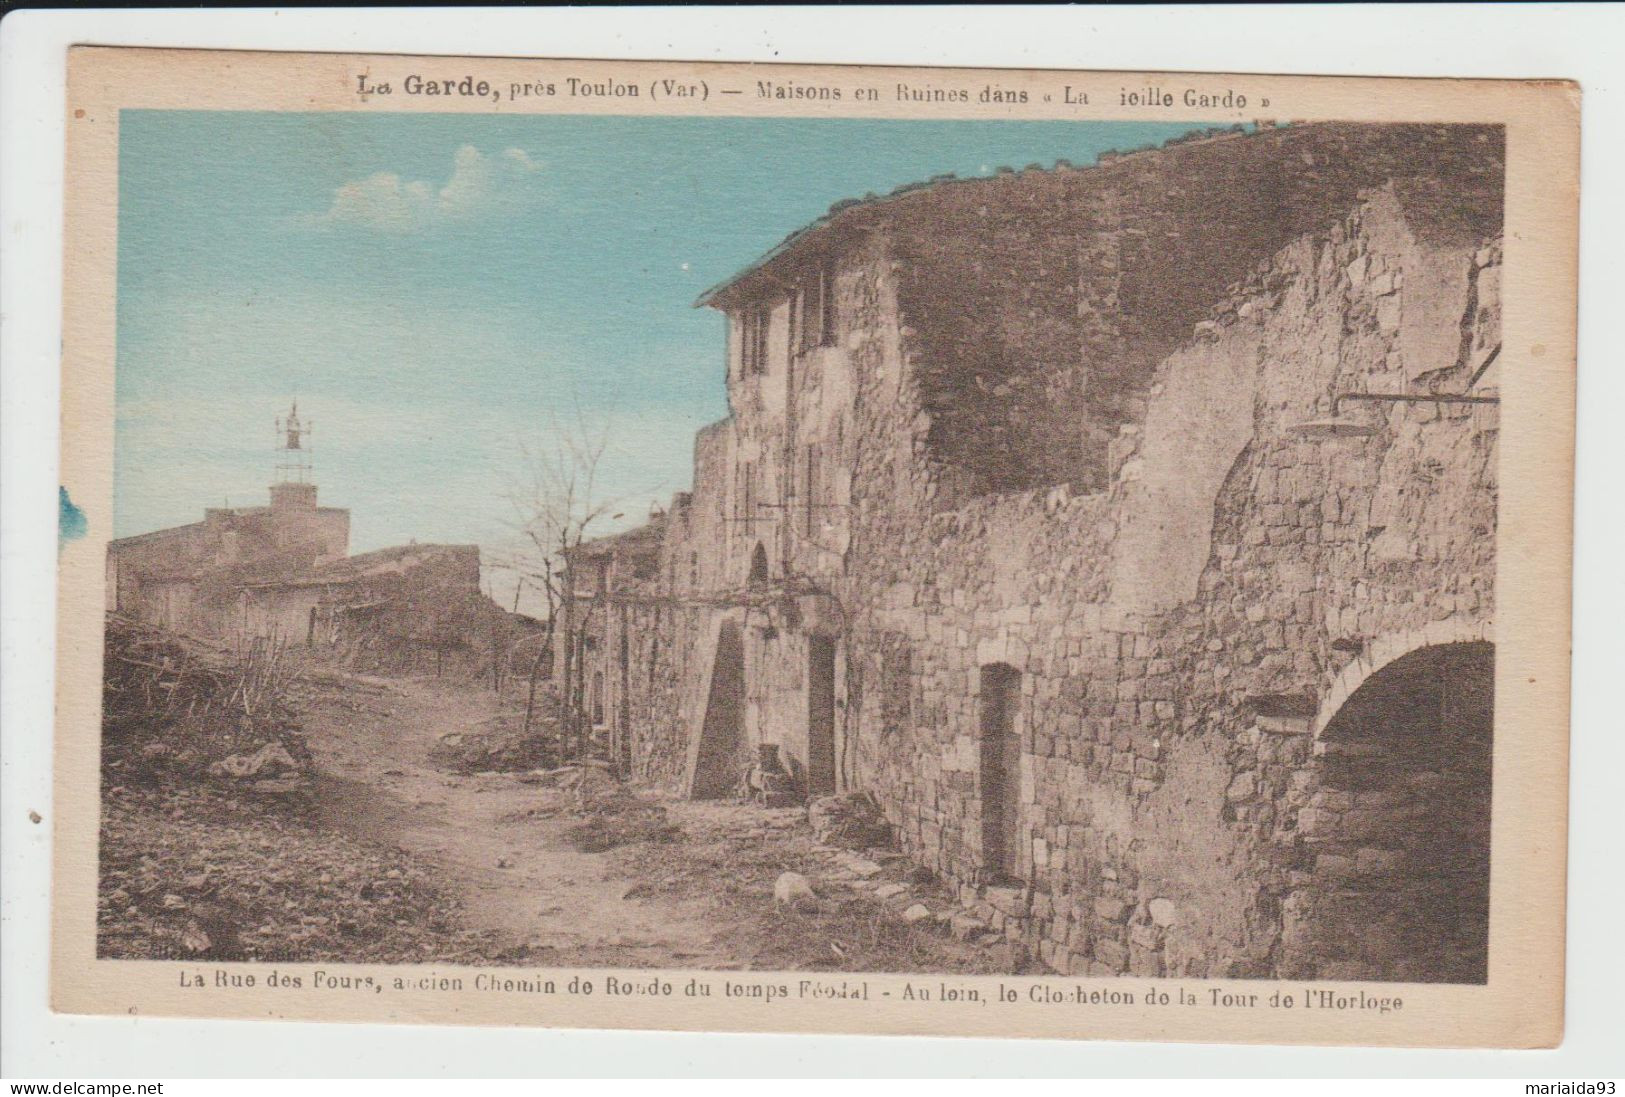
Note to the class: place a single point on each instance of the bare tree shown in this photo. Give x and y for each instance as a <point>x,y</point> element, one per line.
<point>557,500</point>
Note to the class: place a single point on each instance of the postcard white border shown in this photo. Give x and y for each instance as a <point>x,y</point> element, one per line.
<point>1521,42</point>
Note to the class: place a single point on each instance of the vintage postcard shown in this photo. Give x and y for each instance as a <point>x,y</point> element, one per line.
<point>784,548</point>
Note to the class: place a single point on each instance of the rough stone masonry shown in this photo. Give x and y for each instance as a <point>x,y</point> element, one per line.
<point>1043,515</point>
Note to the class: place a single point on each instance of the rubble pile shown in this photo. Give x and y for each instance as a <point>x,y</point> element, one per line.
<point>152,675</point>
<point>499,745</point>
<point>769,781</point>
<point>612,816</point>
<point>851,821</point>
<point>793,903</point>
<point>179,709</point>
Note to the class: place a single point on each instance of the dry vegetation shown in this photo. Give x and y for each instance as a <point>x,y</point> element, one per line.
<point>731,854</point>
<point>208,850</point>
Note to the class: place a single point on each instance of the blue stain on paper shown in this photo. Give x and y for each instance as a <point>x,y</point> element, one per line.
<point>70,522</point>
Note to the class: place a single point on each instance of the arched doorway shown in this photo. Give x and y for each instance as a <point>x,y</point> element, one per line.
<point>1398,827</point>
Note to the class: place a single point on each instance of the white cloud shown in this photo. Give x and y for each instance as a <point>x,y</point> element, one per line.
<point>384,202</point>
<point>522,159</point>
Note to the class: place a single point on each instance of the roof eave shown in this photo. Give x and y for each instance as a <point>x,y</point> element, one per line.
<point>846,218</point>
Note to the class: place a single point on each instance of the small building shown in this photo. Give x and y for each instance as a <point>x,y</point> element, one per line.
<point>188,577</point>
<point>411,607</point>
<point>610,579</point>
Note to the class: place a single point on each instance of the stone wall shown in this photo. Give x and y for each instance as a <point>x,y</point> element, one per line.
<point>184,577</point>
<point>1041,301</point>
<point>1166,709</point>
<point>1179,640</point>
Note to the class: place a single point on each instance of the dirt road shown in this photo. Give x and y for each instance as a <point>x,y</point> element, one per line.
<point>498,845</point>
<point>691,889</point>
<point>372,852</point>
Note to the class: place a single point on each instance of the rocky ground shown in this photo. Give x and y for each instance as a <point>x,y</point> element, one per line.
<point>384,847</point>
<point>209,874</point>
<point>860,911</point>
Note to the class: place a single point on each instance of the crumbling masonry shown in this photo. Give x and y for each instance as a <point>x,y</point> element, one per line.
<point>1043,516</point>
<point>284,571</point>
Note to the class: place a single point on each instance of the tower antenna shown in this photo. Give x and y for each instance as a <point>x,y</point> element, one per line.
<point>293,448</point>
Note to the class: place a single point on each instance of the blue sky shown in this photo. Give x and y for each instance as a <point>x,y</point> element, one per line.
<point>438,289</point>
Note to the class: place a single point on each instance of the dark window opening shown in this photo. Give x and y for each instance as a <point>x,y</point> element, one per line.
<point>812,316</point>
<point>813,488</point>
<point>753,340</point>
<point>745,498</point>
<point>896,690</point>
<point>758,565</point>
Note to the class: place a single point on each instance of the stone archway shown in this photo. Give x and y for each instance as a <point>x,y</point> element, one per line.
<point>1389,647</point>
<point>1397,830</point>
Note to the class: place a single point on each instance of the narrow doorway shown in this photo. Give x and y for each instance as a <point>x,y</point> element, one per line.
<point>623,706</point>
<point>820,716</point>
<point>1001,772</point>
<point>715,762</point>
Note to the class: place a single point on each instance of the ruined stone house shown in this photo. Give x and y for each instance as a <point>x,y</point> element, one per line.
<point>188,577</point>
<point>284,570</point>
<point>1128,532</point>
<point>609,579</point>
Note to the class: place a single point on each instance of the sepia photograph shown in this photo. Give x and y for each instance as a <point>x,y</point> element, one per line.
<point>808,539</point>
<point>1088,568</point>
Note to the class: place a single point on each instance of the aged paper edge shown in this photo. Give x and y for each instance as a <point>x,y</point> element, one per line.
<point>1522,1004</point>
